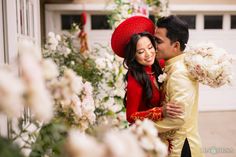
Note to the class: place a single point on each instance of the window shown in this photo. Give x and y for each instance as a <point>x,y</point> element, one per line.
<point>26,19</point>
<point>233,21</point>
<point>68,20</point>
<point>100,22</point>
<point>189,19</point>
<point>213,21</point>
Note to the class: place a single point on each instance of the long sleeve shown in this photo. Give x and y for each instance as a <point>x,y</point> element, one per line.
<point>135,105</point>
<point>134,97</point>
<point>153,114</point>
<point>182,90</point>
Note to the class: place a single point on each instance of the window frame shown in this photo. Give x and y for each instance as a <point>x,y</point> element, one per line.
<point>213,15</point>
<point>195,22</point>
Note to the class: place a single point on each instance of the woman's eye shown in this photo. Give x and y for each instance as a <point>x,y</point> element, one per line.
<point>150,47</point>
<point>140,52</point>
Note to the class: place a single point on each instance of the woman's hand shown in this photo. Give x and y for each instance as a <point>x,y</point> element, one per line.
<point>172,110</point>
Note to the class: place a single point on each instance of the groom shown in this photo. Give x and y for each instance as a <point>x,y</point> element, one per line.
<point>181,134</point>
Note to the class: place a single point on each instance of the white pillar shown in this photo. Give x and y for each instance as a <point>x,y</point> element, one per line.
<point>10,30</point>
<point>1,36</point>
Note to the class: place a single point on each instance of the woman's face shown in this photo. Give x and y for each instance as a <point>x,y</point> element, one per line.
<point>145,52</point>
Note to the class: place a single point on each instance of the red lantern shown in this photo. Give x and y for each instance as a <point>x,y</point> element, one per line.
<point>83,18</point>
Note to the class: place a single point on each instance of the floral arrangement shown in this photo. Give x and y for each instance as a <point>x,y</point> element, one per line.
<point>69,101</point>
<point>127,8</point>
<point>209,64</point>
<point>64,50</point>
<point>140,140</point>
<point>43,98</point>
<point>101,67</point>
<point>109,93</point>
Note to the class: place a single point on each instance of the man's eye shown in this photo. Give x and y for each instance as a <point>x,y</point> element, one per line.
<point>158,41</point>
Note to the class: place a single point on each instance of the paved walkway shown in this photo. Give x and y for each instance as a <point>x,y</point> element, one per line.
<point>218,133</point>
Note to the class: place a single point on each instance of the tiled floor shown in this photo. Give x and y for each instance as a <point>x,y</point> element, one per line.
<point>218,133</point>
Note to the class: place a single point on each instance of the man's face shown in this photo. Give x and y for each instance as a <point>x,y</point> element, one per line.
<point>165,50</point>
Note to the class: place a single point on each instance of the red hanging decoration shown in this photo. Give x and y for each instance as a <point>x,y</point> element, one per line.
<point>83,35</point>
<point>83,18</point>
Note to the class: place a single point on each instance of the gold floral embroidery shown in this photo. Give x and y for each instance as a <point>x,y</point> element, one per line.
<point>152,114</point>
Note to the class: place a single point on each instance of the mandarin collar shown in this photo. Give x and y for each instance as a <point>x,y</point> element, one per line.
<point>173,60</point>
<point>148,69</point>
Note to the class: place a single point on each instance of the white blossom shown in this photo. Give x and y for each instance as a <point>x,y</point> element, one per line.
<point>82,145</point>
<point>123,144</point>
<point>209,64</point>
<point>11,93</point>
<point>162,77</point>
<point>50,69</point>
<point>38,97</point>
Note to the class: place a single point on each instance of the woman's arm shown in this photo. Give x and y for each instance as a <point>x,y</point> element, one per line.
<point>134,103</point>
<point>153,114</point>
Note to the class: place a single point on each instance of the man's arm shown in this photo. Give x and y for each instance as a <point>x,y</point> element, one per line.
<point>181,90</point>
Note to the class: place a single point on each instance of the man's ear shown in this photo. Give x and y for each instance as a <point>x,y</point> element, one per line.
<point>176,46</point>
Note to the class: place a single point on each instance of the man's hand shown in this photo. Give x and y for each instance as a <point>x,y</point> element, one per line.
<point>172,110</point>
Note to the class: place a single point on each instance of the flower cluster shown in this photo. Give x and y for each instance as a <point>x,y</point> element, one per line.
<point>162,77</point>
<point>50,97</point>
<point>160,9</point>
<point>101,67</point>
<point>110,91</point>
<point>148,139</point>
<point>73,100</point>
<point>138,141</point>
<point>209,64</point>
<point>64,50</point>
<point>11,92</point>
<point>127,8</point>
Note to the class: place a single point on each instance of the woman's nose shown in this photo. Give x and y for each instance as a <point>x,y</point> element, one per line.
<point>148,52</point>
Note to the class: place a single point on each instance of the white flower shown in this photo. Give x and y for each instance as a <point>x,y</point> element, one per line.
<point>147,136</point>
<point>38,97</point>
<point>50,69</point>
<point>82,145</point>
<point>88,89</point>
<point>160,147</point>
<point>51,34</point>
<point>146,143</point>
<point>27,46</point>
<point>73,81</point>
<point>122,144</point>
<point>76,105</point>
<point>67,51</point>
<point>209,64</point>
<point>162,77</point>
<point>11,93</point>
<point>58,37</point>
<point>101,63</point>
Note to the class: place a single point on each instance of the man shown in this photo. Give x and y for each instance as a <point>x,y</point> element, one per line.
<point>181,133</point>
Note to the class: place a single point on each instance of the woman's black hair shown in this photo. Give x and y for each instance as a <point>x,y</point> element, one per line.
<point>136,69</point>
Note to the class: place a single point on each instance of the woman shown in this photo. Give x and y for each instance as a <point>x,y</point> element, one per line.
<point>133,40</point>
